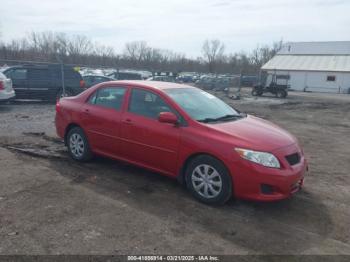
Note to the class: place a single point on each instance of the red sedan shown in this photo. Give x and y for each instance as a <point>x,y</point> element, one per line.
<point>184,133</point>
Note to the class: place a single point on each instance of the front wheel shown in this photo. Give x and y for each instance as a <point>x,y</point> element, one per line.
<point>78,145</point>
<point>257,92</point>
<point>208,180</point>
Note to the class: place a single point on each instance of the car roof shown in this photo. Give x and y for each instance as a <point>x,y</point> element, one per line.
<point>152,84</point>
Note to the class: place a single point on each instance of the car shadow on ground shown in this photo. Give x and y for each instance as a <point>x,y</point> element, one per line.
<point>31,102</point>
<point>4,108</point>
<point>288,226</point>
<point>9,106</point>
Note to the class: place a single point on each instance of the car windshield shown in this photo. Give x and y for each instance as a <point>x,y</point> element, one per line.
<point>202,106</point>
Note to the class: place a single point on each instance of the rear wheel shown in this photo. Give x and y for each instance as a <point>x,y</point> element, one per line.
<point>281,93</point>
<point>78,145</point>
<point>208,180</point>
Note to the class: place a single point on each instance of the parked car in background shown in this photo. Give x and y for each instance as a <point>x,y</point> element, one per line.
<point>91,80</point>
<point>206,83</point>
<point>44,82</point>
<point>125,76</point>
<point>184,133</point>
<point>222,83</point>
<point>164,77</point>
<point>170,79</point>
<point>186,78</point>
<point>6,91</point>
<point>215,83</point>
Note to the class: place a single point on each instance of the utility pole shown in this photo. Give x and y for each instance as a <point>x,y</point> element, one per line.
<point>239,85</point>
<point>60,60</point>
<point>238,95</point>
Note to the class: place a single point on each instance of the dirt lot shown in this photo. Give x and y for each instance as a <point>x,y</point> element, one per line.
<point>52,205</point>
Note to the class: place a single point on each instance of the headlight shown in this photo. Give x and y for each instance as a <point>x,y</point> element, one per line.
<point>262,158</point>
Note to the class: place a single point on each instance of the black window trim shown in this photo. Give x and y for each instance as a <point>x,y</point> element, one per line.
<point>32,72</point>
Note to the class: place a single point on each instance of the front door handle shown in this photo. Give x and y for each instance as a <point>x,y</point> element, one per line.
<point>127,121</point>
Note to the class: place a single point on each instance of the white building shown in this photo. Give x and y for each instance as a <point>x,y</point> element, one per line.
<point>313,66</point>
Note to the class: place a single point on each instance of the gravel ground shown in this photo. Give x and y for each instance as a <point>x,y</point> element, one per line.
<point>52,205</point>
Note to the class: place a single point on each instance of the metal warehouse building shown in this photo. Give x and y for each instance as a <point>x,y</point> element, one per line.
<point>313,66</point>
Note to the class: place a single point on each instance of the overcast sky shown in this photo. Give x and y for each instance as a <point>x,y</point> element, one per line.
<point>181,25</point>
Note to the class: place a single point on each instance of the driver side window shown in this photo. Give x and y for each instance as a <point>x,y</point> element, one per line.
<point>147,104</point>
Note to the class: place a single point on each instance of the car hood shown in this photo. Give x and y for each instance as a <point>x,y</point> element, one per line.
<point>255,133</point>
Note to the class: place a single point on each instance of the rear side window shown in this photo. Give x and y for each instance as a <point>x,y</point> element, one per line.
<point>18,74</point>
<point>147,104</point>
<point>38,74</point>
<point>109,97</point>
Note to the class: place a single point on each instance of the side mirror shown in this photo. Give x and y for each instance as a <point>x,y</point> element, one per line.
<point>167,117</point>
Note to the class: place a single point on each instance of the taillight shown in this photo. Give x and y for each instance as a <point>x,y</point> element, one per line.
<point>58,106</point>
<point>82,83</point>
<point>2,85</point>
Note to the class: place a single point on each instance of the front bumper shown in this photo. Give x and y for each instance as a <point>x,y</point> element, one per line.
<point>255,182</point>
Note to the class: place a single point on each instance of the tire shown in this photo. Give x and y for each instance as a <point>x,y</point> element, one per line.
<point>281,93</point>
<point>256,92</point>
<point>214,191</point>
<point>78,145</point>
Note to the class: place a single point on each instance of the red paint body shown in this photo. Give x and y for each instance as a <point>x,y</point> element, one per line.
<point>165,147</point>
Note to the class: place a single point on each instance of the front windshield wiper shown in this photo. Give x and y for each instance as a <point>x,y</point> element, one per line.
<point>221,118</point>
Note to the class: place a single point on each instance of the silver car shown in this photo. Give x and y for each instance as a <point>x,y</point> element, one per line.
<point>6,91</point>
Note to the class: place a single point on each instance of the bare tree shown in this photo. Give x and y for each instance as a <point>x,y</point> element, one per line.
<point>261,55</point>
<point>79,45</point>
<point>213,51</point>
<point>136,51</point>
<point>80,50</point>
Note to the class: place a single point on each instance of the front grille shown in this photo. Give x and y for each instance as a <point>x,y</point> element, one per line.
<point>293,159</point>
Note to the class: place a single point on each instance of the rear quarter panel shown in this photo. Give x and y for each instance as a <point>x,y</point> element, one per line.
<point>68,113</point>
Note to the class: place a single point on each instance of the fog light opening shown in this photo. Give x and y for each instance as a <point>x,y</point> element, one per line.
<point>267,189</point>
